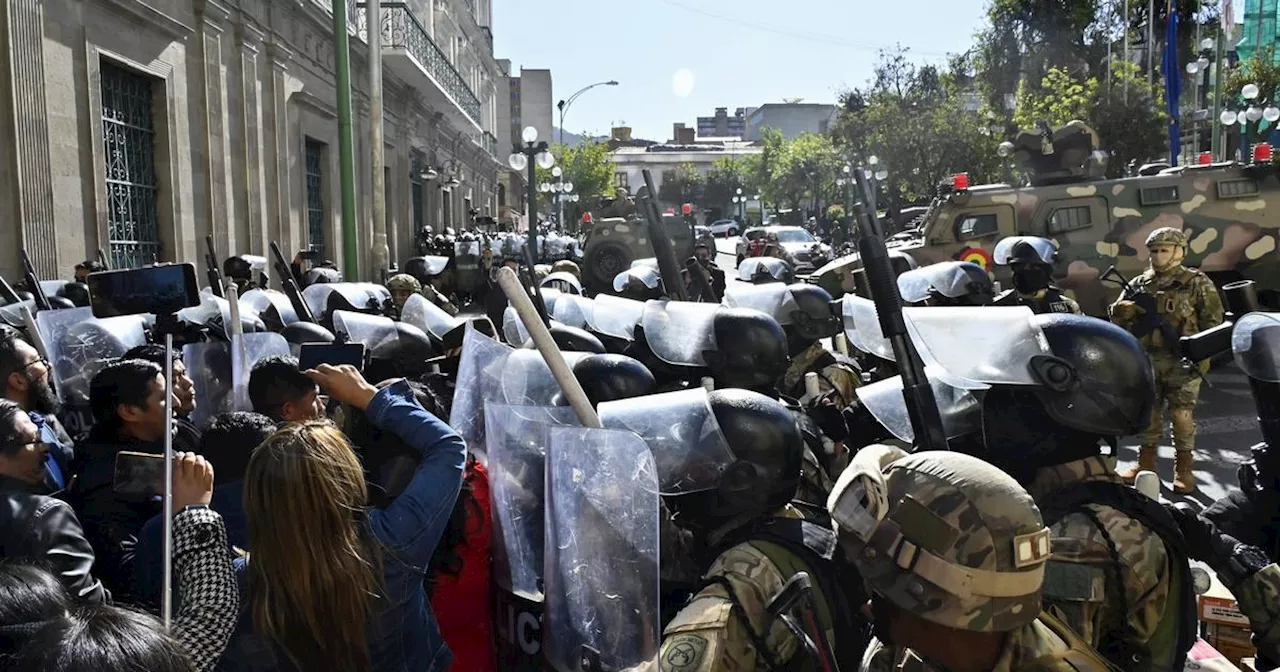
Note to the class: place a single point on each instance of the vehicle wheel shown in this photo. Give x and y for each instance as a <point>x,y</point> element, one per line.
<point>605,262</point>
<point>732,233</point>
<point>740,259</point>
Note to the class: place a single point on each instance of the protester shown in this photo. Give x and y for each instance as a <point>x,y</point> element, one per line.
<point>186,436</point>
<point>33,526</point>
<point>127,399</point>
<point>84,268</point>
<point>102,638</point>
<point>279,390</point>
<point>26,381</point>
<point>29,596</point>
<point>329,590</point>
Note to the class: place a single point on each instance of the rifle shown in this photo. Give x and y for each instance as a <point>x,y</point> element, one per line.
<point>33,282</point>
<point>213,271</point>
<point>102,260</point>
<point>702,279</point>
<point>1151,320</point>
<point>798,592</point>
<point>290,287</point>
<point>668,266</point>
<point>7,293</point>
<point>922,407</point>
<point>533,290</point>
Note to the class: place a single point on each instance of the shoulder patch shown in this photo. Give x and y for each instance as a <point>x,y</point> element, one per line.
<point>683,653</point>
<point>1073,582</point>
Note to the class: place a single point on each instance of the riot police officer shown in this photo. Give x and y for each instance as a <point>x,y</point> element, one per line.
<point>240,270</point>
<point>947,284</point>
<point>1119,575</point>
<point>754,540</point>
<point>953,552</point>
<point>1169,301</point>
<point>1031,260</point>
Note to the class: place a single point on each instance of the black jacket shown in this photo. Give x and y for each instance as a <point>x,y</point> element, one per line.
<point>44,531</point>
<point>112,522</point>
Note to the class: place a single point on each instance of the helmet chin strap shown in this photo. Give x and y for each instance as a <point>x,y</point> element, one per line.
<point>1175,261</point>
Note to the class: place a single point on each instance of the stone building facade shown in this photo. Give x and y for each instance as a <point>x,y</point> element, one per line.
<point>140,126</point>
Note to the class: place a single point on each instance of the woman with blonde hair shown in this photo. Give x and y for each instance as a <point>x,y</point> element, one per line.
<point>332,583</point>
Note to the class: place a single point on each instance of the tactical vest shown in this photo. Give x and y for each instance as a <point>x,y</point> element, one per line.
<point>1179,312</point>
<point>795,546</point>
<point>1177,629</point>
<point>1078,657</point>
<point>1053,301</point>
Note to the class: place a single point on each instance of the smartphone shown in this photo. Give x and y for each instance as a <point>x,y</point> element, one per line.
<point>311,355</point>
<point>139,474</point>
<point>162,290</point>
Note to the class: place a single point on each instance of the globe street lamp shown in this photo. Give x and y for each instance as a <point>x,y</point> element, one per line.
<point>557,188</point>
<point>532,154</point>
<point>564,105</point>
<point>1252,114</point>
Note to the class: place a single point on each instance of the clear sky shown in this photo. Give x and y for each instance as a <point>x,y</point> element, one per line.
<point>740,53</point>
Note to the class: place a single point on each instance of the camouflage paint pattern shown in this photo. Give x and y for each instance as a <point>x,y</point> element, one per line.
<point>1259,600</point>
<point>613,243</point>
<point>841,378</point>
<point>1034,646</point>
<point>1222,209</point>
<point>975,512</point>
<point>1081,584</point>
<point>707,636</point>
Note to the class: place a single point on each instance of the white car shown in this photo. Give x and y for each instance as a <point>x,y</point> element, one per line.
<point>807,253</point>
<point>725,227</point>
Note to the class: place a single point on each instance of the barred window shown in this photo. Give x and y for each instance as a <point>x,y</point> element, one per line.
<point>969,227</point>
<point>1069,219</point>
<point>129,144</point>
<point>315,196</point>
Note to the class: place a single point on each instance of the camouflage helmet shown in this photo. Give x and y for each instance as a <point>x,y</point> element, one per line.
<point>1167,236</point>
<point>944,536</point>
<point>566,266</point>
<point>403,282</point>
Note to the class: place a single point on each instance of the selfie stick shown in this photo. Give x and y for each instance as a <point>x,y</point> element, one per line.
<point>166,599</point>
<point>569,385</point>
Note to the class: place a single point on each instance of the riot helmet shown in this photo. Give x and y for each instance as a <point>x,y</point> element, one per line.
<point>805,312</point>
<point>423,269</point>
<point>76,292</point>
<point>750,350</point>
<point>573,339</point>
<point>767,446</point>
<point>237,268</point>
<point>567,266</point>
<point>402,286</point>
<point>300,332</point>
<point>566,283</point>
<point>944,536</point>
<point>613,377</point>
<point>1031,260</point>
<point>58,302</point>
<point>901,262</point>
<point>404,355</point>
<point>762,270</point>
<point>639,284</point>
<point>949,283</point>
<point>320,276</point>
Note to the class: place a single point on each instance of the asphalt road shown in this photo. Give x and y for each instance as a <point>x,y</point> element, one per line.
<point>1225,420</point>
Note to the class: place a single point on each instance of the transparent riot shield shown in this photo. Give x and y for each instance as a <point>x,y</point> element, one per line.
<point>479,379</point>
<point>973,347</point>
<point>358,296</point>
<point>615,316</point>
<point>371,330</point>
<point>527,381</point>
<point>689,450</point>
<point>862,327</point>
<point>79,345</point>
<point>679,332</point>
<point>212,375</point>
<point>215,312</point>
<point>466,259</point>
<point>573,310</point>
<point>516,438</point>
<point>961,413</point>
<point>773,299</point>
<point>422,313</point>
<point>11,314</point>
<point>258,302</point>
<point>513,330</point>
<point>602,514</point>
<point>1043,248</point>
<point>647,262</point>
<point>52,287</point>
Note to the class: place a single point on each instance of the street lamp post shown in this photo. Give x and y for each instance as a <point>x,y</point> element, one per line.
<point>1253,113</point>
<point>532,155</point>
<point>558,188</point>
<point>1202,64</point>
<point>564,105</point>
<point>741,202</point>
<point>847,181</point>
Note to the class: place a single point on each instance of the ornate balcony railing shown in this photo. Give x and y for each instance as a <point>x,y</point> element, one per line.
<point>401,30</point>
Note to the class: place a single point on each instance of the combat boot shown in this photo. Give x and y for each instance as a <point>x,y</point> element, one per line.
<point>1184,480</point>
<point>1146,462</point>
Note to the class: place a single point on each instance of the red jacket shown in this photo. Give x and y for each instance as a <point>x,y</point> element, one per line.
<point>463,604</point>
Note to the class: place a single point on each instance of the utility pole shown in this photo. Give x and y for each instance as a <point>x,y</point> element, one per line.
<point>1218,62</point>
<point>1126,51</point>
<point>381,253</point>
<point>346,143</point>
<point>1151,45</point>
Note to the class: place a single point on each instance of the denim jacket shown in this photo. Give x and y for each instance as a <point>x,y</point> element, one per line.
<point>403,636</point>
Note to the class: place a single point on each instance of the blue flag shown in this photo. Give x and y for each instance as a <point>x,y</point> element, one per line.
<point>1172,83</point>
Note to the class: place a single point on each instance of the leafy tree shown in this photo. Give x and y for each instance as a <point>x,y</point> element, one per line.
<point>683,185</point>
<point>806,169</point>
<point>587,166</point>
<point>1261,70</point>
<point>726,177</point>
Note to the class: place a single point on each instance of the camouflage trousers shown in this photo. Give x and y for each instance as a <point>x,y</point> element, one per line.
<point>1178,389</point>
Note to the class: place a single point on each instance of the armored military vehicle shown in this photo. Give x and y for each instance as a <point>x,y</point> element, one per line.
<point>613,243</point>
<point>1097,223</point>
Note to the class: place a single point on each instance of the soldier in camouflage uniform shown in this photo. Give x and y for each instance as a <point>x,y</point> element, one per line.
<point>754,543</point>
<point>1031,260</point>
<point>1116,576</point>
<point>402,286</point>
<point>953,552</point>
<point>1166,302</point>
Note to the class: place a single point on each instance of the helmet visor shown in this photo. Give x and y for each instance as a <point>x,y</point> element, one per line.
<point>973,348</point>
<point>689,450</point>
<point>1043,248</point>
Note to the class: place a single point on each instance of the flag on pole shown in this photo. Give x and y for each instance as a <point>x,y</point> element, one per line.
<point>1172,82</point>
